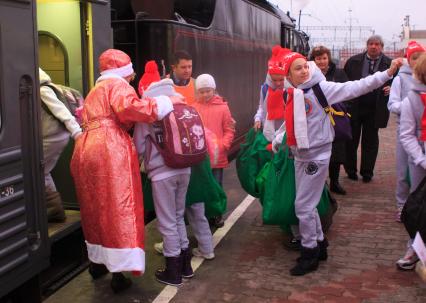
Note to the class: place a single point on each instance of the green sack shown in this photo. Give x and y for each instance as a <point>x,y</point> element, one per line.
<point>278,194</point>
<point>251,159</point>
<point>202,187</point>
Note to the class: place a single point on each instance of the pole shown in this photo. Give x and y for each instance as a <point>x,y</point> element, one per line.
<point>300,15</point>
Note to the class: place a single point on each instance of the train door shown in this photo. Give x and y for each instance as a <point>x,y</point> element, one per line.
<point>23,245</point>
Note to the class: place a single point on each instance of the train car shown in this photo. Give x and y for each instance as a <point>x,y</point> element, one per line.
<point>231,40</point>
<point>63,37</point>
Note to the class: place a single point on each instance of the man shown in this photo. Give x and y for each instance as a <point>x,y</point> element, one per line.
<point>182,76</point>
<point>370,112</point>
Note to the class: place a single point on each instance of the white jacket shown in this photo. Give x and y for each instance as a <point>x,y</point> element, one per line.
<point>51,127</point>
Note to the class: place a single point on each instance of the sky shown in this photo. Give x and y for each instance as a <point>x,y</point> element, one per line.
<point>384,16</point>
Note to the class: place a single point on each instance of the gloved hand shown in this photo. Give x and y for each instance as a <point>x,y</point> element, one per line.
<point>276,143</point>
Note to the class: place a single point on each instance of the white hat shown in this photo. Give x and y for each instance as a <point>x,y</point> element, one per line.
<point>205,81</point>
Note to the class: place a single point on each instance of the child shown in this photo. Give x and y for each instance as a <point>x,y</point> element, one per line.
<point>169,186</point>
<point>216,118</point>
<point>400,87</point>
<point>271,104</point>
<point>310,135</point>
<point>412,137</point>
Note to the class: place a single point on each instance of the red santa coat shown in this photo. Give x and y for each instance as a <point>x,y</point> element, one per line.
<point>105,169</point>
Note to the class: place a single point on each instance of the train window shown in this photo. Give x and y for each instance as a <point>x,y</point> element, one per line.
<point>197,12</point>
<point>60,41</point>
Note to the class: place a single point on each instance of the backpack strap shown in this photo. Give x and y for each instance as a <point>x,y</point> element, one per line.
<point>45,107</point>
<point>320,95</point>
<point>264,90</point>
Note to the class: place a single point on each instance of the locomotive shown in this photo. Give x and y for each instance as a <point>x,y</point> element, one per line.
<point>230,39</point>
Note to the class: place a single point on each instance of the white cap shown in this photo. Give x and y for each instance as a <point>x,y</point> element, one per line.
<point>205,81</point>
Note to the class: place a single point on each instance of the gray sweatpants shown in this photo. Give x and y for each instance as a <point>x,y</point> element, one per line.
<point>417,173</point>
<point>200,227</point>
<point>169,202</point>
<point>52,149</point>
<point>402,187</point>
<point>310,180</point>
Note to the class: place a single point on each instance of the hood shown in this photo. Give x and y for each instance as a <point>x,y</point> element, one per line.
<point>418,87</point>
<point>216,100</point>
<point>315,76</point>
<point>405,68</point>
<point>43,77</point>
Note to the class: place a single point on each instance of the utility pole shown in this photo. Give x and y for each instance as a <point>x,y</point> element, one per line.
<point>350,30</point>
<point>300,16</point>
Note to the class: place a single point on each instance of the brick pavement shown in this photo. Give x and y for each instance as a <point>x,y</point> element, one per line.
<point>365,241</point>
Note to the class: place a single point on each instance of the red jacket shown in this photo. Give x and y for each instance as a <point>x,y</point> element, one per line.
<point>217,118</point>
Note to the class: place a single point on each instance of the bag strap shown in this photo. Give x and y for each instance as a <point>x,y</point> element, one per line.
<point>320,95</point>
<point>264,90</point>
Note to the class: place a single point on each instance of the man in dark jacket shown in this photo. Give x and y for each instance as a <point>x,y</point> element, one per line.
<point>369,113</point>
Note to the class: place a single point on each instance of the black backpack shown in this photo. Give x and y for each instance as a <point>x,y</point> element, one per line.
<point>339,117</point>
<point>413,214</point>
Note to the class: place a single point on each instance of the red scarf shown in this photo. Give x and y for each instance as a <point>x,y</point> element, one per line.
<point>275,104</point>
<point>289,118</point>
<point>423,122</point>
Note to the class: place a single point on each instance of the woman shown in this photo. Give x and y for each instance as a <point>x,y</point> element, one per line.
<point>105,169</point>
<point>322,58</point>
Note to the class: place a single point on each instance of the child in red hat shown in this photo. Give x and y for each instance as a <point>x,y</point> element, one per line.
<point>270,114</point>
<point>310,135</point>
<point>401,85</point>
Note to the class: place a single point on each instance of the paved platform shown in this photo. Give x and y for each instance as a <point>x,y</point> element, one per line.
<point>251,264</point>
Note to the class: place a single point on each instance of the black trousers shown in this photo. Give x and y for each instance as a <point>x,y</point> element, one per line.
<point>364,130</point>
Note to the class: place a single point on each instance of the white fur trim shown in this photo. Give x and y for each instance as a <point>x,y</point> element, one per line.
<point>123,71</point>
<point>164,106</point>
<point>300,122</point>
<point>110,76</point>
<point>117,259</point>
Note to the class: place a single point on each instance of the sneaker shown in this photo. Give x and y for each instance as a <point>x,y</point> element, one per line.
<point>398,215</point>
<point>197,253</point>
<point>408,262</point>
<point>159,247</point>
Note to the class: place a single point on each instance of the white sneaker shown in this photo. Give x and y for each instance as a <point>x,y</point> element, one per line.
<point>196,252</point>
<point>408,262</point>
<point>159,247</point>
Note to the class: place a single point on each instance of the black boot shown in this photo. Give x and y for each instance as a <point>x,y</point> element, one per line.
<point>97,270</point>
<point>335,187</point>
<point>323,255</point>
<point>307,262</point>
<point>119,282</point>
<point>187,271</point>
<point>172,274</point>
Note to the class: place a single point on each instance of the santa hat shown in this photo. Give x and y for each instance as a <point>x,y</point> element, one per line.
<point>205,81</point>
<point>114,61</point>
<point>414,47</point>
<point>288,59</point>
<point>151,75</point>
<point>275,63</point>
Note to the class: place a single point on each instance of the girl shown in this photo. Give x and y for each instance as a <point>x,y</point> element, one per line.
<point>310,135</point>
<point>412,137</point>
<point>217,118</point>
<point>401,85</point>
<point>271,104</point>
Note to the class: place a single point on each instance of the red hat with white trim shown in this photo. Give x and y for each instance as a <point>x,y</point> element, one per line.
<point>414,47</point>
<point>288,59</point>
<point>114,61</point>
<point>275,63</point>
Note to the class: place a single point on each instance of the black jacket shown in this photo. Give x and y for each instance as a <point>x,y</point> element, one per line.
<point>353,69</point>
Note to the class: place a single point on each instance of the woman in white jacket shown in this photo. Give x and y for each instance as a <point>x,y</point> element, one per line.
<point>310,135</point>
<point>57,126</point>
